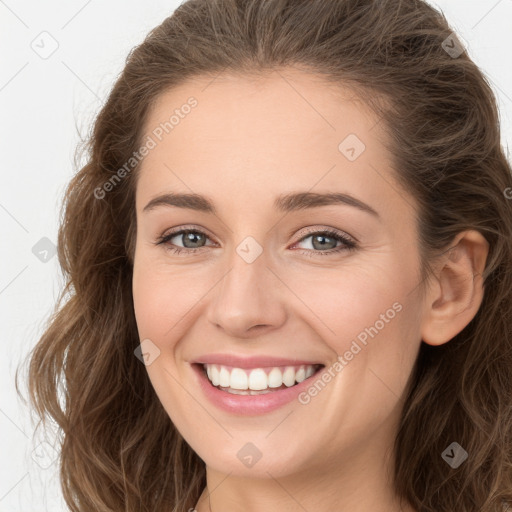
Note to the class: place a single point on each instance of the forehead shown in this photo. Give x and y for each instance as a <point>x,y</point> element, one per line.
<point>263,135</point>
<point>253,109</point>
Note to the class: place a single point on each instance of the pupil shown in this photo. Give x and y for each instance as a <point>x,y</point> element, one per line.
<point>322,244</point>
<point>193,238</point>
<point>190,238</point>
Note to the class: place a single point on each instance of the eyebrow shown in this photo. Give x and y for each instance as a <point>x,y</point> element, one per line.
<point>284,203</point>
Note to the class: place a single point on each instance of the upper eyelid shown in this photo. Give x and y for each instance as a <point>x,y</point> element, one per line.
<point>336,232</point>
<point>311,231</point>
<point>181,230</point>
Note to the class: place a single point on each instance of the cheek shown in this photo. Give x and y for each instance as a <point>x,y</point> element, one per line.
<point>163,296</point>
<point>347,300</point>
<point>163,299</point>
<point>369,318</point>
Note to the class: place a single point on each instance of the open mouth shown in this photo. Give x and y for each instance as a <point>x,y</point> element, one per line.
<point>257,381</point>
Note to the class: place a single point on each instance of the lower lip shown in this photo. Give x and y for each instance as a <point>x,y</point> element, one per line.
<point>250,405</point>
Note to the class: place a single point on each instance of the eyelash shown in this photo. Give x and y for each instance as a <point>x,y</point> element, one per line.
<point>347,243</point>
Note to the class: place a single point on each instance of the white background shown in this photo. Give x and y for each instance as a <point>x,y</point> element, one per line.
<point>43,103</point>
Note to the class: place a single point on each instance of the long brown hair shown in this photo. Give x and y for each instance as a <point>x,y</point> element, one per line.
<point>120,451</point>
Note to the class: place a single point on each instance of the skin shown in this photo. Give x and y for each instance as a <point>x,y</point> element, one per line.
<point>247,141</point>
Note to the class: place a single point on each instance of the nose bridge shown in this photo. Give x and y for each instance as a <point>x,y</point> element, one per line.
<point>243,284</point>
<point>248,294</point>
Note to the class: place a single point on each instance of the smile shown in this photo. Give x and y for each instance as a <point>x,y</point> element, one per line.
<point>256,381</point>
<point>253,391</point>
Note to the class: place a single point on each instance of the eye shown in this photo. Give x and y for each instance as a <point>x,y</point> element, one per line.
<point>326,241</point>
<point>192,240</point>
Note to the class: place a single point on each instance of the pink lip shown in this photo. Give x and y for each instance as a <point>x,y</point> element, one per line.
<point>250,362</point>
<point>250,405</point>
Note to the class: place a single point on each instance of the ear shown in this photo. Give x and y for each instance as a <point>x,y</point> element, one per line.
<point>457,290</point>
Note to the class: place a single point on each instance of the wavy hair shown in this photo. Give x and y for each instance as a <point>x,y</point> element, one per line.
<point>119,449</point>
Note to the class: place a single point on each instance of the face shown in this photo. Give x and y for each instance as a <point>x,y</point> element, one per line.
<point>301,251</point>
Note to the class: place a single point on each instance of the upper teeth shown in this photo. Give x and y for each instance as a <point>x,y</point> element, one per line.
<point>257,378</point>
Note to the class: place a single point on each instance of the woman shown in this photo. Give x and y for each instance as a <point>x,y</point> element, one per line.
<point>288,263</point>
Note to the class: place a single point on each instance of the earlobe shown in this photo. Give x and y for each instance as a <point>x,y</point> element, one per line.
<point>457,290</point>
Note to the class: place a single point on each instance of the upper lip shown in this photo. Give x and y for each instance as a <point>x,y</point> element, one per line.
<point>252,361</point>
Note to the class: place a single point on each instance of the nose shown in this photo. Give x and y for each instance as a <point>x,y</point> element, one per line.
<point>249,300</point>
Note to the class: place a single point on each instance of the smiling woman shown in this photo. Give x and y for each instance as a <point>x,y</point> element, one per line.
<point>299,298</point>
